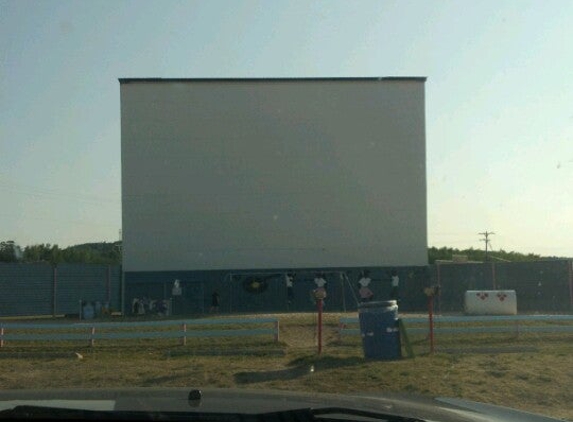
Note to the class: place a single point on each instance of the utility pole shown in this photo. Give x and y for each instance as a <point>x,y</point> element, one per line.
<point>485,239</point>
<point>120,242</point>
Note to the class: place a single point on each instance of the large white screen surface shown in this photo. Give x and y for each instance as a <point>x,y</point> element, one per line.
<point>260,174</point>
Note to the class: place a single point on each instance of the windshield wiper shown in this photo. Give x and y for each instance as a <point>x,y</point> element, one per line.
<point>296,415</point>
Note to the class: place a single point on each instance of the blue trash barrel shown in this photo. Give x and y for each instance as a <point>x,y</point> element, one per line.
<point>379,330</point>
<point>88,311</point>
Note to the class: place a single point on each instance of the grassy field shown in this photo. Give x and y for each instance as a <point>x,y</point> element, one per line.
<point>530,372</point>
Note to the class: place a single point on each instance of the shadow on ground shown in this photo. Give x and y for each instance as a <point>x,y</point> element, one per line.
<point>298,368</point>
<point>277,375</point>
<point>328,362</point>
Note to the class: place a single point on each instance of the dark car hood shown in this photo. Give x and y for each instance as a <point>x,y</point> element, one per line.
<point>261,401</point>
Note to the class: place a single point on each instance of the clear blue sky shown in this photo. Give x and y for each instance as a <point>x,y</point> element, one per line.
<point>499,100</point>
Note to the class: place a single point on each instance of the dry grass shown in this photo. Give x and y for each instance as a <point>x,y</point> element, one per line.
<point>538,381</point>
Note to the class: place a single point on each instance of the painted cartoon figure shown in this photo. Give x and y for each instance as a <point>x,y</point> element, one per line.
<point>176,289</point>
<point>320,291</point>
<point>289,282</point>
<point>395,285</point>
<point>364,291</point>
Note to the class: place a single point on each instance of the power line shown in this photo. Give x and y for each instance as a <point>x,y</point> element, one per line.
<point>485,239</point>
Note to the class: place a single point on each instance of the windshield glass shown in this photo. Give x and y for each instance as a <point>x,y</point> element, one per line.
<point>329,197</point>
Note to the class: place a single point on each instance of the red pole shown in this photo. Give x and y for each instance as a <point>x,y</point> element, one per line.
<point>431,320</point>
<point>319,306</point>
<point>184,338</point>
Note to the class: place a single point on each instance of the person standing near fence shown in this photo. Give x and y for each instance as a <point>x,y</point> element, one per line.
<point>135,306</point>
<point>394,293</point>
<point>215,299</point>
<point>289,281</point>
<point>364,291</point>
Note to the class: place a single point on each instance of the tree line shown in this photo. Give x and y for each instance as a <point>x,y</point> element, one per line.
<point>110,253</point>
<point>447,254</point>
<point>87,253</point>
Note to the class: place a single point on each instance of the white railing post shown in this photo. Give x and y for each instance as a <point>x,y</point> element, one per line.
<point>92,340</point>
<point>184,338</point>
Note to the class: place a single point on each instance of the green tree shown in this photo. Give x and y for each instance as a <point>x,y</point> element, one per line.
<point>10,251</point>
<point>446,254</point>
<point>88,253</point>
<point>39,253</point>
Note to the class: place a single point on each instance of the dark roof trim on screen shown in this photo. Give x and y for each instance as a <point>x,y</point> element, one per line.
<point>385,78</point>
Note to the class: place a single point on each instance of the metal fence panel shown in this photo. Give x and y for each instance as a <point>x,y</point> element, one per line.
<point>28,289</point>
<point>342,289</point>
<point>540,285</point>
<point>115,287</point>
<point>77,282</point>
<point>25,289</point>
